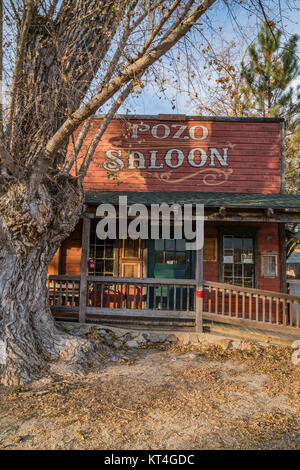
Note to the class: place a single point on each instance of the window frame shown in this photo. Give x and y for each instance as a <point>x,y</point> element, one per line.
<point>215,240</point>
<point>115,258</point>
<point>264,255</point>
<point>238,231</point>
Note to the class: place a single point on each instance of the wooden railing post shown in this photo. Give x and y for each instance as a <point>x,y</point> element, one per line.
<point>199,291</point>
<point>85,241</point>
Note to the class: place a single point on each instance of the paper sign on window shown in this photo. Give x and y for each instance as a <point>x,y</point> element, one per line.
<point>247,258</point>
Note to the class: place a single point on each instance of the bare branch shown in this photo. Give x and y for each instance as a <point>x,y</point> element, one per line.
<point>78,144</point>
<point>122,78</point>
<point>6,158</point>
<point>18,67</point>
<point>109,116</point>
<point>157,29</point>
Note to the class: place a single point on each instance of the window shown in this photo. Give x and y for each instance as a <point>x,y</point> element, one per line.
<point>104,253</point>
<point>170,252</point>
<point>210,249</point>
<point>238,260</point>
<point>269,265</point>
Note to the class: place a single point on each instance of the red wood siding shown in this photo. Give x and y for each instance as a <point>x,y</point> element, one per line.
<point>53,268</point>
<point>253,162</point>
<point>267,240</point>
<point>71,253</point>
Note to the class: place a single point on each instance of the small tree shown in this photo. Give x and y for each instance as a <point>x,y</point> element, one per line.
<point>271,69</point>
<point>262,87</point>
<point>269,73</point>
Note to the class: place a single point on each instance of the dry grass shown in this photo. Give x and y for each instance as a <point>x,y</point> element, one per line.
<point>162,398</point>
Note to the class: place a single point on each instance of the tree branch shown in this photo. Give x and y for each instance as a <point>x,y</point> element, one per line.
<point>6,158</point>
<point>128,73</point>
<point>91,150</point>
<point>78,144</point>
<point>18,66</point>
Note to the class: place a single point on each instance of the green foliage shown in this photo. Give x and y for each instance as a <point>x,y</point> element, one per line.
<point>94,333</point>
<point>292,157</point>
<point>268,76</point>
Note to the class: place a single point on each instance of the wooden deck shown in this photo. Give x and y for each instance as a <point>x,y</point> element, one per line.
<point>172,300</point>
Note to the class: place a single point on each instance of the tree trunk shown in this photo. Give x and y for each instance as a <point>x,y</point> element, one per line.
<point>32,227</point>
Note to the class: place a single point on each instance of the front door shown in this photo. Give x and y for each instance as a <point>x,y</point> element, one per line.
<point>169,259</point>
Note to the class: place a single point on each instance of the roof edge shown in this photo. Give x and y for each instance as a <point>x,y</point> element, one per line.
<point>158,117</point>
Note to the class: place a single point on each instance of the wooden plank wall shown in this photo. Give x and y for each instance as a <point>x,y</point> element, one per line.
<point>253,156</point>
<point>71,253</point>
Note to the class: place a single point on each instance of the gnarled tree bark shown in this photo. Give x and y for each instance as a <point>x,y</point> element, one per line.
<point>32,227</point>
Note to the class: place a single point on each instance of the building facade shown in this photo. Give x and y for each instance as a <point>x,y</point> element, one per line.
<point>232,166</point>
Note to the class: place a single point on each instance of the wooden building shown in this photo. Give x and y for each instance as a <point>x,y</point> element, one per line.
<point>235,168</point>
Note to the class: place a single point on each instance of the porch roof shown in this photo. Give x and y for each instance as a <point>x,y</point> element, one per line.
<point>233,200</point>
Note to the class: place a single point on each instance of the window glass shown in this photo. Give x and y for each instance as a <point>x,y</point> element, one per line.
<point>159,257</point>
<point>228,242</point>
<point>180,257</point>
<point>170,251</point>
<point>180,245</point>
<point>269,266</point>
<point>247,243</point>
<point>170,245</point>
<point>228,270</point>
<point>102,252</point>
<point>131,248</point>
<point>238,260</point>
<point>159,245</point>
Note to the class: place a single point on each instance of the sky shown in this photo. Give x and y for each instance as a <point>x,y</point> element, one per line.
<point>150,102</point>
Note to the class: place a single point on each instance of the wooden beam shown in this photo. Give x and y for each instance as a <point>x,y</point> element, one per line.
<point>246,218</point>
<point>128,312</point>
<point>282,157</point>
<point>85,241</point>
<point>282,257</point>
<point>257,325</point>
<point>199,290</point>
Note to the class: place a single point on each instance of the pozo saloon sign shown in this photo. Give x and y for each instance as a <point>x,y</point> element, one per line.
<point>205,159</point>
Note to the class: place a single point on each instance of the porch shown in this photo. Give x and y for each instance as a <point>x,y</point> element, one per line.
<point>172,301</point>
<point>160,282</point>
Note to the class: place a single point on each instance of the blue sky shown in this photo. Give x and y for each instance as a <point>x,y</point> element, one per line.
<point>149,102</point>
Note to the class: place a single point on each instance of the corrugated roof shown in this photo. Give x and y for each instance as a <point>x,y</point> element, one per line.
<point>233,200</point>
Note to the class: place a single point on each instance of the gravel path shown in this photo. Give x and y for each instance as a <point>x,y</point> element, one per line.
<point>162,398</point>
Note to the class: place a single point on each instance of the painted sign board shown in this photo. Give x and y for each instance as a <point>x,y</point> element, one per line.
<point>163,154</point>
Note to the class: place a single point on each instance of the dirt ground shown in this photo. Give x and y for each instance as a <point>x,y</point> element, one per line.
<point>161,398</point>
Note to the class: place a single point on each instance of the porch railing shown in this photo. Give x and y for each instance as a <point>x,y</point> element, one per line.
<point>173,299</point>
<point>241,303</point>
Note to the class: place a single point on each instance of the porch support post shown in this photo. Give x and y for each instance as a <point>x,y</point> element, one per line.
<point>282,257</point>
<point>199,290</point>
<point>85,240</point>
